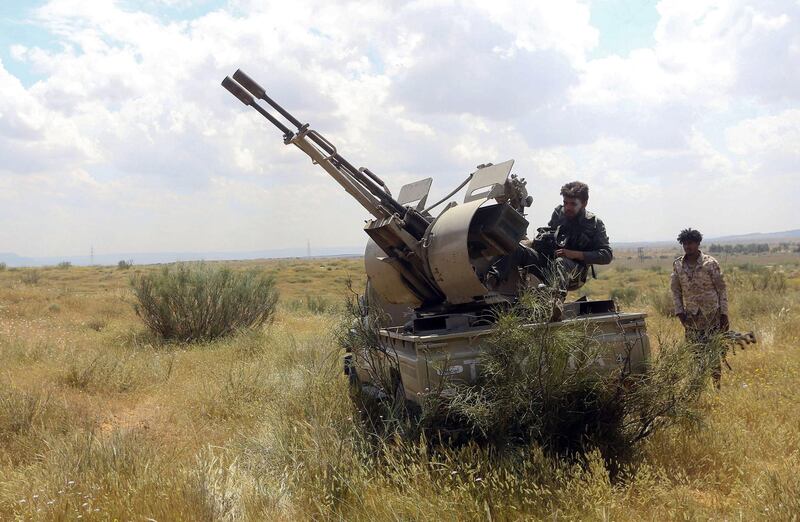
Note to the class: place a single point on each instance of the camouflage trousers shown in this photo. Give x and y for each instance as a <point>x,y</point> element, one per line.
<point>700,330</point>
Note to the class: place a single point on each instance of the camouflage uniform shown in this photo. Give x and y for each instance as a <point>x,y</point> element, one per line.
<point>699,292</point>
<point>586,233</point>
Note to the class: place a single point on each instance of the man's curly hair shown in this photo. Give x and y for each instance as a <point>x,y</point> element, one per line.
<point>689,234</point>
<point>576,189</point>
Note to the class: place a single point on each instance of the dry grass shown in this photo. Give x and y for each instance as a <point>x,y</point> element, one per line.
<point>99,419</point>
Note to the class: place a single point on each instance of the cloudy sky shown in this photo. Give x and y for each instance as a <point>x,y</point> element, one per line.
<point>114,131</point>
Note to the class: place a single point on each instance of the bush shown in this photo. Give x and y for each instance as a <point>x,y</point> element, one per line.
<point>315,304</point>
<point>625,295</point>
<point>752,278</point>
<point>200,302</point>
<point>542,385</point>
<point>662,302</point>
<point>124,265</point>
<point>3,266</point>
<point>31,277</point>
<point>64,265</point>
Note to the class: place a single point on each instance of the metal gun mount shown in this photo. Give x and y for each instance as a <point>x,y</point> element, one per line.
<point>458,258</point>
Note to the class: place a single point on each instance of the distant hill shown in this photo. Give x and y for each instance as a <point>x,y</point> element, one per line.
<point>149,258</point>
<point>760,237</point>
<point>755,237</point>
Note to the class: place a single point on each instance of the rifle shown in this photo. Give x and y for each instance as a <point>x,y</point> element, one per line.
<point>732,339</point>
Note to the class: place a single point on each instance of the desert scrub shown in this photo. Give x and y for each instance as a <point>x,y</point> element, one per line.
<point>30,277</point>
<point>624,295</point>
<point>28,419</point>
<point>119,476</point>
<point>118,372</point>
<point>237,392</point>
<point>313,304</point>
<point>21,412</point>
<point>535,383</point>
<point>662,302</point>
<point>541,384</point>
<point>201,302</point>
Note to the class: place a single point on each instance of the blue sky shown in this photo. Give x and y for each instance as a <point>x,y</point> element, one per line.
<point>624,25</point>
<point>16,28</point>
<point>114,131</point>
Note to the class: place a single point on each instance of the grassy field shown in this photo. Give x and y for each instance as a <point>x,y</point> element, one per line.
<point>100,421</point>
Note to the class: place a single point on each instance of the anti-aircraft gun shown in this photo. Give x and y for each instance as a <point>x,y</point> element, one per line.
<point>445,273</point>
<point>414,258</point>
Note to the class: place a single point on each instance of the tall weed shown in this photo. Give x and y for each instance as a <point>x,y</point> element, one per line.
<point>119,372</point>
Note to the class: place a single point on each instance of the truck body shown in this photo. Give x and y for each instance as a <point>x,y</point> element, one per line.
<point>413,364</point>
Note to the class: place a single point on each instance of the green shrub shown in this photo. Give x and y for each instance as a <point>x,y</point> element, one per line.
<point>624,295</point>
<point>541,384</point>
<point>315,304</point>
<point>753,278</point>
<point>64,265</point>
<point>662,303</point>
<point>31,277</point>
<point>2,266</point>
<point>200,302</point>
<point>124,265</point>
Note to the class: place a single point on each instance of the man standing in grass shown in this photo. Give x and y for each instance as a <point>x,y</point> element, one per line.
<point>701,300</point>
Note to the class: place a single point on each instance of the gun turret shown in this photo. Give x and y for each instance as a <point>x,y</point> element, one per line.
<point>414,258</point>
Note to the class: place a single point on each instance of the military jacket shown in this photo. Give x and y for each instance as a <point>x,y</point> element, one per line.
<point>698,288</point>
<point>586,233</point>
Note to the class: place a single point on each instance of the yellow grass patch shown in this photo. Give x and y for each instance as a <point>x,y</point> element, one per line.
<point>99,420</point>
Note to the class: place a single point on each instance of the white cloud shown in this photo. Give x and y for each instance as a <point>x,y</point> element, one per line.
<point>769,147</point>
<point>757,136</point>
<point>129,143</point>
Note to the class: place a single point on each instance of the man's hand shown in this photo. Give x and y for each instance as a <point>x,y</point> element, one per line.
<point>724,323</point>
<point>575,255</point>
<point>682,317</point>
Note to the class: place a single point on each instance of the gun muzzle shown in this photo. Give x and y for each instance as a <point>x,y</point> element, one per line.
<point>259,92</point>
<point>236,89</point>
<point>249,84</point>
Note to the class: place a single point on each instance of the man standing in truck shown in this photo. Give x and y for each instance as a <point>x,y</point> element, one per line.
<point>700,296</point>
<point>575,239</point>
